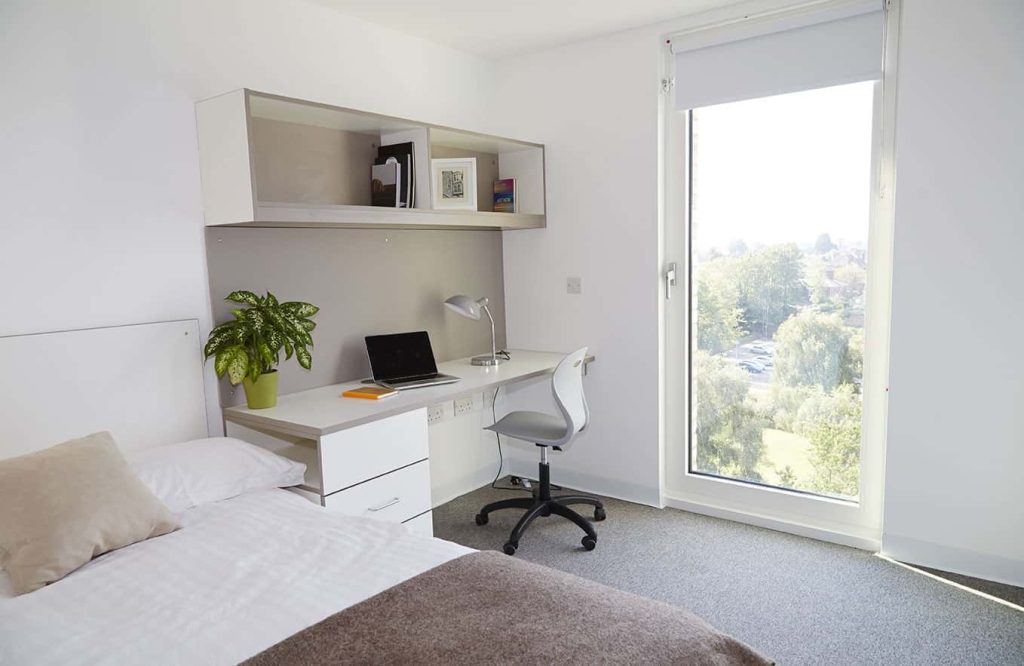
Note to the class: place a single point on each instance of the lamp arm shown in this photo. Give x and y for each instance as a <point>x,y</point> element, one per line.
<point>494,349</point>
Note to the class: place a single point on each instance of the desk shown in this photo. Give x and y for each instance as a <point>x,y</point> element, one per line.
<point>371,457</point>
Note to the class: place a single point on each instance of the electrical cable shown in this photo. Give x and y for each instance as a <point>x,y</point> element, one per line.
<point>501,458</point>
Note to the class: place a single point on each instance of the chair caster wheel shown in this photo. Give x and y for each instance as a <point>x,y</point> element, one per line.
<point>590,543</point>
<point>509,548</point>
<point>481,519</point>
<point>599,514</point>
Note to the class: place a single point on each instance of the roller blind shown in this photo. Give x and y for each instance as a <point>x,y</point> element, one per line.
<point>773,57</point>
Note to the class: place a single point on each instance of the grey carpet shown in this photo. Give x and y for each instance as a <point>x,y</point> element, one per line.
<point>797,600</point>
<point>1015,595</point>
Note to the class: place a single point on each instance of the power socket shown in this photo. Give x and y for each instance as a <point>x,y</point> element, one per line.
<point>573,285</point>
<point>463,405</point>
<point>435,413</point>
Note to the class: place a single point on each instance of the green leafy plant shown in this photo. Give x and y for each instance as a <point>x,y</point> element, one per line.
<point>251,344</point>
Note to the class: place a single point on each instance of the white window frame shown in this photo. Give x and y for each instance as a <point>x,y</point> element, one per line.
<point>852,523</point>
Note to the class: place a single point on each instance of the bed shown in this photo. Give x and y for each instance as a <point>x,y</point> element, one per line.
<point>239,576</point>
<point>262,574</point>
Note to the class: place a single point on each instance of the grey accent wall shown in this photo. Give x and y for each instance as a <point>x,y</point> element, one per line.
<point>365,281</point>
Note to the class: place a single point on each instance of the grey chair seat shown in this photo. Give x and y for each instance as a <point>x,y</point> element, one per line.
<point>536,427</point>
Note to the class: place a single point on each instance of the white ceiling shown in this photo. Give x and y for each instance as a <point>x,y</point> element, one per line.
<point>502,28</point>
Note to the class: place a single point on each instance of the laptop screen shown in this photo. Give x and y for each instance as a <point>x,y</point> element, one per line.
<point>400,356</point>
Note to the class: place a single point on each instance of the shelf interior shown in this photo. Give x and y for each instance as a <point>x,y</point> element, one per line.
<point>306,154</point>
<point>271,107</point>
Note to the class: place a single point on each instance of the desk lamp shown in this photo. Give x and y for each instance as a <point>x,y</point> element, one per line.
<point>467,307</point>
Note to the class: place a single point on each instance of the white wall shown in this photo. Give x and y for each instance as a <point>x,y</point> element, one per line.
<point>595,106</point>
<point>954,496</point>
<point>102,222</point>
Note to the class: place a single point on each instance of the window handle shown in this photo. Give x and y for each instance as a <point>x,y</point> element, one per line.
<point>670,279</point>
<point>393,501</point>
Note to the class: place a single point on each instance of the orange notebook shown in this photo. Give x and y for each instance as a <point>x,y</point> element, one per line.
<point>370,393</point>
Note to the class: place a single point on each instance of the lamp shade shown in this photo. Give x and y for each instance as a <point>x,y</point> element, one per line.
<point>465,306</point>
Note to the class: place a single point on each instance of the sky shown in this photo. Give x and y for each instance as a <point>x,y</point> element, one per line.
<point>784,169</point>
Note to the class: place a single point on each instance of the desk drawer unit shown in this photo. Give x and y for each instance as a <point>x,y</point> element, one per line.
<point>395,497</point>
<point>352,456</point>
<point>422,524</point>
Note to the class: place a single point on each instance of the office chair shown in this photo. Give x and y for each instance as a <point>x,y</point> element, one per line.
<point>548,431</point>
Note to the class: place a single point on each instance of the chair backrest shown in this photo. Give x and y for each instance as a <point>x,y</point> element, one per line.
<point>567,386</point>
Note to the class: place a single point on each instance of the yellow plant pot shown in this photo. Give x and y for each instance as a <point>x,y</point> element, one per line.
<point>261,393</point>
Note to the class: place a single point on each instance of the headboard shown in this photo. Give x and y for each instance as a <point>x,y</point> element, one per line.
<point>142,382</point>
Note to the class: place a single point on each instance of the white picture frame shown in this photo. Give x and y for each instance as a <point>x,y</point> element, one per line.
<point>453,183</point>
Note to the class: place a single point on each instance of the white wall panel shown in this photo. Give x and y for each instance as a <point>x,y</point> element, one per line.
<point>953,493</point>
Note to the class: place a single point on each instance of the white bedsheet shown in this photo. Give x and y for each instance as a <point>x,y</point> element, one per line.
<point>240,576</point>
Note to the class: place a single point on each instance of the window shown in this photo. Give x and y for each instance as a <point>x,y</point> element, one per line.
<point>780,196</point>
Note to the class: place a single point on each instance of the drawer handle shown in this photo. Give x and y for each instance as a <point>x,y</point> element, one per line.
<point>385,505</point>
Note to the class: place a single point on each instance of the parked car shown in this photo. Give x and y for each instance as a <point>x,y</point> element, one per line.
<point>766,361</point>
<point>751,366</point>
<point>760,348</point>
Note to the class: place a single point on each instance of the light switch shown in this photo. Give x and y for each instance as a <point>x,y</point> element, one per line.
<point>573,285</point>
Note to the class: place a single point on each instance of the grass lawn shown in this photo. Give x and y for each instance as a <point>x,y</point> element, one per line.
<point>784,448</point>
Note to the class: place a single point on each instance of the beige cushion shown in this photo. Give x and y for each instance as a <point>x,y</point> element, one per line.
<point>63,506</point>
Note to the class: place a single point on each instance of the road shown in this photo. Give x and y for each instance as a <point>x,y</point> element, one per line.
<point>743,353</point>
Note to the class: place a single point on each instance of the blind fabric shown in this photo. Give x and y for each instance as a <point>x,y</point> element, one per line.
<point>829,53</point>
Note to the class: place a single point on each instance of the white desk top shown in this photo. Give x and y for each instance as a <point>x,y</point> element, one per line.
<point>321,411</point>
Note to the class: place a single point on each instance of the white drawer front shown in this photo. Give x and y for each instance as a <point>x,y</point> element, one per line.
<point>395,497</point>
<point>422,524</point>
<point>354,455</point>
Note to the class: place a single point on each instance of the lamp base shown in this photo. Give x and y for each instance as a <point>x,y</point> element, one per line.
<point>486,360</point>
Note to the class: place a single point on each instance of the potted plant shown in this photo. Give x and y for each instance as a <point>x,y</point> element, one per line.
<point>249,348</point>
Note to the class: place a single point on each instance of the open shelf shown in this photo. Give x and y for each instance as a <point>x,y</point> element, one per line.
<point>272,161</point>
<point>363,217</point>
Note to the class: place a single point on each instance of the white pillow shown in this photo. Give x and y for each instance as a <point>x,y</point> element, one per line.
<point>209,470</point>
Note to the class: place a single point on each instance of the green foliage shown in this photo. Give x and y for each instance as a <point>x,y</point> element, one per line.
<point>787,477</point>
<point>771,286</point>
<point>832,424</point>
<point>824,244</point>
<point>812,349</point>
<point>766,285</point>
<point>718,312</point>
<point>817,281</point>
<point>835,455</point>
<point>728,424</point>
<point>853,279</point>
<point>853,367</point>
<point>838,407</point>
<point>786,402</point>
<point>251,344</point>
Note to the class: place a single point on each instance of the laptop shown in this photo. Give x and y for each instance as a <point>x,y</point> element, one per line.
<point>404,361</point>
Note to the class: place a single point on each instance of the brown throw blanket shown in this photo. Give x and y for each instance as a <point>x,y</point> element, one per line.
<point>488,608</point>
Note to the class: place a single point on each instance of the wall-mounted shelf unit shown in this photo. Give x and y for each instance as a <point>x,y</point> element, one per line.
<point>271,161</point>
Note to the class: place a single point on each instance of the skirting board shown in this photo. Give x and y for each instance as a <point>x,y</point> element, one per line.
<point>597,485</point>
<point>776,524</point>
<point>610,488</point>
<point>954,560</point>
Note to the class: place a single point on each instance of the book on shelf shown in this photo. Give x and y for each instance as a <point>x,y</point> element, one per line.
<point>505,195</point>
<point>384,190</point>
<point>370,393</point>
<point>405,155</point>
